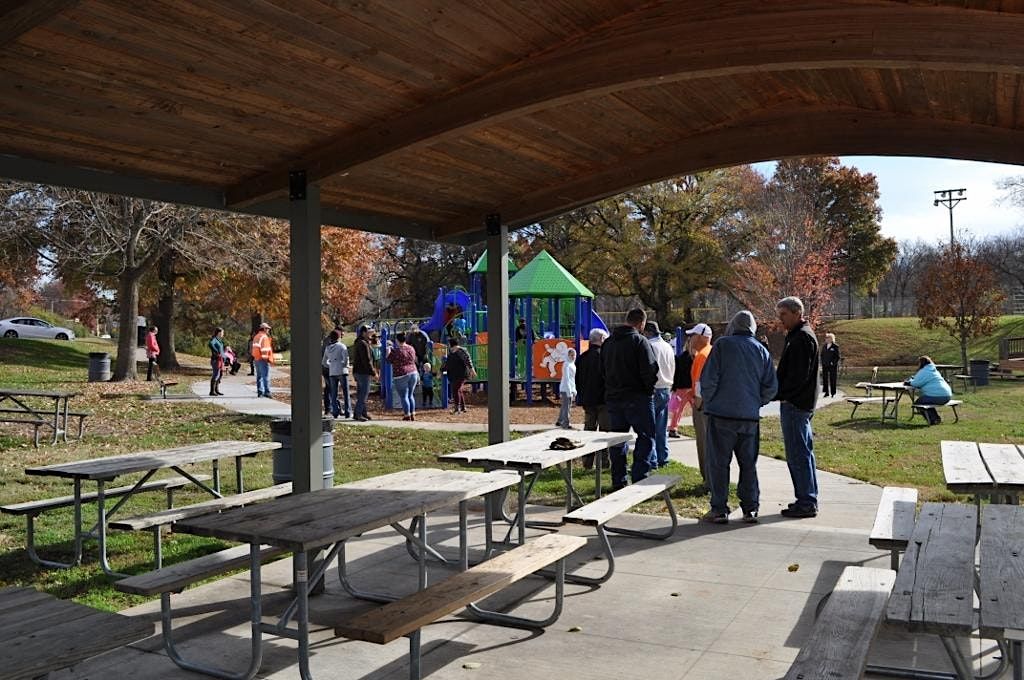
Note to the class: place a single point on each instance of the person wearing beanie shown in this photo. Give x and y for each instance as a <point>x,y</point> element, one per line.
<point>737,380</point>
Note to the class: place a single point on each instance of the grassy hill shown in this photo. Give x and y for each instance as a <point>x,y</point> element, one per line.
<point>899,342</point>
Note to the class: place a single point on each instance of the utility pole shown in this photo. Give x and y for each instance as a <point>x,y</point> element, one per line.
<point>945,197</point>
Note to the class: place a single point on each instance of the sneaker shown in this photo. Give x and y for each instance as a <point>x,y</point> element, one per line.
<point>713,517</point>
<point>673,434</point>
<point>750,517</point>
<point>797,512</point>
<point>359,419</point>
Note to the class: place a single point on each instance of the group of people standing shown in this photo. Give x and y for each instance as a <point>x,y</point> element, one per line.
<point>633,379</point>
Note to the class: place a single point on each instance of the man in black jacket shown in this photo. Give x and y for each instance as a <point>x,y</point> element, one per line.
<point>630,371</point>
<point>798,393</point>
<point>590,388</point>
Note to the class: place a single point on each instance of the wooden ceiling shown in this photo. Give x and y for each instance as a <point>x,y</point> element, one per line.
<point>420,117</point>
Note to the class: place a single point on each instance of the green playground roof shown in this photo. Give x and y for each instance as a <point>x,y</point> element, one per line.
<point>545,277</point>
<point>481,265</point>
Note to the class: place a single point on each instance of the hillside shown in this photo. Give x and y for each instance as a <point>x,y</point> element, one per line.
<point>899,342</point>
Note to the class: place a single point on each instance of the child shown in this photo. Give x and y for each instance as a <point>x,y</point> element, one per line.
<point>427,378</point>
<point>567,389</point>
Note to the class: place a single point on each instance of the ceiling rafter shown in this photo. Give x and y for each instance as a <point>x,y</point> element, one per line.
<point>18,17</point>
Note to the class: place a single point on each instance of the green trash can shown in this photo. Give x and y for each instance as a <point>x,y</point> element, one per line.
<point>281,432</point>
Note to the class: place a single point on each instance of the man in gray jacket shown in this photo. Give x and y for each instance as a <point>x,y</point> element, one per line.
<point>737,381</point>
<point>335,362</point>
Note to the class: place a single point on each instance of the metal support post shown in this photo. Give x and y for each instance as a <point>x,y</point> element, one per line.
<point>497,328</point>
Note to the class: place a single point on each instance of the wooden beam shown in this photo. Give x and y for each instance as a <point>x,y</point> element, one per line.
<point>674,42</point>
<point>18,17</point>
<point>765,136</point>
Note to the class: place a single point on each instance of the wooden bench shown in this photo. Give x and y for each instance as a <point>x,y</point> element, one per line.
<point>599,512</point>
<point>838,646</point>
<point>39,419</point>
<point>157,522</point>
<point>860,401</point>
<point>32,509</point>
<point>405,617</point>
<point>176,577</point>
<point>164,384</point>
<point>894,521</point>
<point>952,403</point>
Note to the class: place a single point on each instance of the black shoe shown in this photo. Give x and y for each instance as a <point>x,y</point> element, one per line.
<point>673,434</point>
<point>713,517</point>
<point>750,517</point>
<point>797,512</point>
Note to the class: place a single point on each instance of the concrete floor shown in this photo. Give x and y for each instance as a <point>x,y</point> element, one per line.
<point>711,602</point>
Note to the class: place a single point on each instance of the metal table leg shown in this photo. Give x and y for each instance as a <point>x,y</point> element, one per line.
<point>101,531</point>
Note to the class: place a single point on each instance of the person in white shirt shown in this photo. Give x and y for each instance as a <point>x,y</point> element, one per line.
<point>567,390</point>
<point>335,361</point>
<point>666,358</point>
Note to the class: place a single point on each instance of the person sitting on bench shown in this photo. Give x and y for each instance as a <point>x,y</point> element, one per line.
<point>933,390</point>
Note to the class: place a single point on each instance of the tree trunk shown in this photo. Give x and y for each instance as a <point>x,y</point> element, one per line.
<point>963,353</point>
<point>127,312</point>
<point>164,316</point>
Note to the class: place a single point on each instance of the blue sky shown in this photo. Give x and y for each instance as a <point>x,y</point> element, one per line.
<point>906,186</point>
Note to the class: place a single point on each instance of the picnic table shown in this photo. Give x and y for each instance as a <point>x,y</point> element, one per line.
<point>44,634</point>
<point>946,369</point>
<point>104,470</point>
<point>897,389</point>
<point>24,412</point>
<point>985,470</point>
<point>949,586</point>
<point>326,518</point>
<point>531,455</point>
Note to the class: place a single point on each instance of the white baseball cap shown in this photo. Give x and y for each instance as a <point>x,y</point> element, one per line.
<point>700,329</point>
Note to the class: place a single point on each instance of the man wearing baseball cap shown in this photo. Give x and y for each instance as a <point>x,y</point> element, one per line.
<point>700,348</point>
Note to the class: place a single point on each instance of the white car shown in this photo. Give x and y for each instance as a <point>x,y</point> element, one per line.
<point>28,327</point>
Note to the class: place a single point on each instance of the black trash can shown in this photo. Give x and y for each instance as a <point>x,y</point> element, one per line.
<point>979,371</point>
<point>99,367</point>
<point>281,432</point>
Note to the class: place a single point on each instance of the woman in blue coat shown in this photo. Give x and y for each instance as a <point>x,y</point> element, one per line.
<point>932,389</point>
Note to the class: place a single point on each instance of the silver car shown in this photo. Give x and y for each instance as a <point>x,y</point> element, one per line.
<point>28,327</point>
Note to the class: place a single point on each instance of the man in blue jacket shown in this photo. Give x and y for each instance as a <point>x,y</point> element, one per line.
<point>737,381</point>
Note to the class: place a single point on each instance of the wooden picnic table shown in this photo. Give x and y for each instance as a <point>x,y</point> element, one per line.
<point>946,369</point>
<point>327,518</point>
<point>898,389</point>
<point>943,574</point>
<point>42,633</point>
<point>532,454</point>
<point>991,470</point>
<point>104,470</point>
<point>58,423</point>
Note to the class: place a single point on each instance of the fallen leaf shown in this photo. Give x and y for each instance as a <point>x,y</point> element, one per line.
<point>575,629</point>
<point>471,665</point>
<point>794,567</point>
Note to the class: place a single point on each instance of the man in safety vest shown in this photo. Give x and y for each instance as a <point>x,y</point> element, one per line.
<point>263,356</point>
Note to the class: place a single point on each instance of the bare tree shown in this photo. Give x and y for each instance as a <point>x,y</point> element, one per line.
<point>896,290</point>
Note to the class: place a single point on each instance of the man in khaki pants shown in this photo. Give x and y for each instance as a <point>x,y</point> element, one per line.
<point>700,348</point>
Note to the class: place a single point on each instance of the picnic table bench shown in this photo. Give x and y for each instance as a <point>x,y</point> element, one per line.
<point>42,634</point>
<point>56,418</point>
<point>894,521</point>
<point>104,470</point>
<point>598,513</point>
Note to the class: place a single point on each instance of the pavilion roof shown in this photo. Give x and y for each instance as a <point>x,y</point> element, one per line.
<point>422,117</point>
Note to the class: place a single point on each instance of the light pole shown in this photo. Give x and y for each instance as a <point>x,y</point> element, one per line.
<point>945,197</point>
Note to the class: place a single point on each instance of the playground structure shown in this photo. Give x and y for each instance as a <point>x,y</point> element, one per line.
<point>556,308</point>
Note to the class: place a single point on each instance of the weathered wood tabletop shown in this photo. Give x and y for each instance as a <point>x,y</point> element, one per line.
<point>50,394</point>
<point>533,452</point>
<point>980,468</point>
<point>114,466</point>
<point>39,633</point>
<point>312,520</point>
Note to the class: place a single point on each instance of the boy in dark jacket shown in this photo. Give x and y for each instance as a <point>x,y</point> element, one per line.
<point>630,371</point>
<point>798,394</point>
<point>590,388</point>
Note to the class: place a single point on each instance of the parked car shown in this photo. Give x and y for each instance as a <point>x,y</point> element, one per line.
<point>28,327</point>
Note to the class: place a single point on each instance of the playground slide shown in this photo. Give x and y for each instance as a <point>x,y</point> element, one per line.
<point>597,322</point>
<point>437,321</point>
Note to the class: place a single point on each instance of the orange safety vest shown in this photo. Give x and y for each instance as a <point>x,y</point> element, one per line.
<point>261,349</point>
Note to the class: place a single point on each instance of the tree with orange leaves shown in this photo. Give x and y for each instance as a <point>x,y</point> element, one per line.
<point>960,293</point>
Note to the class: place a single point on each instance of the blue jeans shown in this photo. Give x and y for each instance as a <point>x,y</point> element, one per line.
<point>660,457</point>
<point>799,442</point>
<point>362,392</point>
<point>930,401</point>
<point>724,438</point>
<point>263,378</point>
<point>637,413</point>
<point>405,387</point>
<point>337,386</point>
